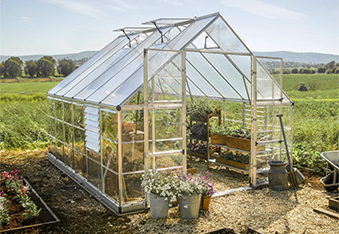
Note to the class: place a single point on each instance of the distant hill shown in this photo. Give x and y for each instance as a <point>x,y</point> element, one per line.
<point>307,57</point>
<point>76,56</point>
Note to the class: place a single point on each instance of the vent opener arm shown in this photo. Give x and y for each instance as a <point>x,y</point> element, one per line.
<point>129,39</point>
<point>155,24</point>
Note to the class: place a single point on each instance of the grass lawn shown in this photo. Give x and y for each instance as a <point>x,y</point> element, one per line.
<point>26,87</point>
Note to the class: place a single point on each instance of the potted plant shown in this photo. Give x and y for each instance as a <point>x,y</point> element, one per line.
<point>208,191</point>
<point>189,192</point>
<point>161,189</point>
<point>219,134</point>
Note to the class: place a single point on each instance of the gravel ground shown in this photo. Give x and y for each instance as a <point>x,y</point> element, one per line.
<point>269,211</point>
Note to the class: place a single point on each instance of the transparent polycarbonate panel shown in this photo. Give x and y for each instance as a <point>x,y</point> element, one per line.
<point>132,190</point>
<point>137,98</point>
<point>225,37</point>
<point>68,156</point>
<point>50,107</point>
<point>111,181</point>
<point>68,112</point>
<point>194,76</point>
<point>265,84</point>
<point>172,33</point>
<point>69,134</point>
<point>243,63</point>
<point>109,124</point>
<point>51,126</point>
<point>189,33</point>
<point>59,109</point>
<point>57,149</point>
<point>163,162</point>
<point>124,68</point>
<point>167,126</point>
<point>229,72</point>
<point>192,89</point>
<point>209,73</point>
<point>80,163</point>
<point>87,77</point>
<point>109,154</point>
<point>94,173</point>
<point>78,116</point>
<point>79,140</point>
<point>59,131</point>
<point>133,156</point>
<point>88,63</point>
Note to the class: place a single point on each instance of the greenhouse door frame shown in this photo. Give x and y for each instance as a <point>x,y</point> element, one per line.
<point>151,105</point>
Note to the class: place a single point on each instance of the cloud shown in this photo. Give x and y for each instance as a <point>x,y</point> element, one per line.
<point>26,20</point>
<point>264,9</point>
<point>91,8</point>
<point>176,3</point>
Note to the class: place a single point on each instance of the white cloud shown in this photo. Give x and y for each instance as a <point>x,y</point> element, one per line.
<point>264,9</point>
<point>91,8</point>
<point>26,20</point>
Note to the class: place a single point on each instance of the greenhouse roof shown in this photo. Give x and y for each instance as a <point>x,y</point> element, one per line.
<point>218,63</point>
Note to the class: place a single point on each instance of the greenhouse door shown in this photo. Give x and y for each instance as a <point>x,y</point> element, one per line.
<point>165,110</point>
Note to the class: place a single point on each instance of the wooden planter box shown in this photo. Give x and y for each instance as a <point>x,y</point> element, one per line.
<point>241,143</point>
<point>233,163</point>
<point>333,203</point>
<point>218,139</point>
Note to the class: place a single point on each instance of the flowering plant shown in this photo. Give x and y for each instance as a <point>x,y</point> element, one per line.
<point>187,185</point>
<point>161,185</point>
<point>207,184</point>
<point>16,187</point>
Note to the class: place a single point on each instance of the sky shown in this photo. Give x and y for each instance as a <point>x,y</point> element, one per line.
<point>51,27</point>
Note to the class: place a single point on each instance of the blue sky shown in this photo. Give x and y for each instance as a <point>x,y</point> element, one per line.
<point>69,26</point>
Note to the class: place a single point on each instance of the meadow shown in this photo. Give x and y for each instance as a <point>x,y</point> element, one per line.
<point>315,122</point>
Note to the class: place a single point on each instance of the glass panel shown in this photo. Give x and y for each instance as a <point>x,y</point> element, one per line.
<point>109,155</point>
<point>68,112</point>
<point>229,72</point>
<point>192,89</point>
<point>109,125</point>
<point>244,64</point>
<point>57,149</point>
<point>79,115</point>
<point>59,131</point>
<point>89,63</point>
<point>80,163</point>
<point>69,135</point>
<point>87,77</point>
<point>94,156</point>
<point>94,173</point>
<point>132,192</point>
<point>51,126</point>
<point>161,162</point>
<point>50,107</point>
<point>119,72</point>
<point>79,140</point>
<point>59,109</point>
<point>225,37</point>
<point>68,156</point>
<point>112,185</point>
<point>207,71</point>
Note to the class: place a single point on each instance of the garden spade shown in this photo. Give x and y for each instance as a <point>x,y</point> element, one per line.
<point>292,172</point>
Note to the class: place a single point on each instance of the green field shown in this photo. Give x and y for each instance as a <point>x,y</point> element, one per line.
<point>26,87</point>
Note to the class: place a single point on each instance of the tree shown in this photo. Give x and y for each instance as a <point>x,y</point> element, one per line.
<point>321,69</point>
<point>330,65</point>
<point>294,71</point>
<point>45,67</point>
<point>2,68</point>
<point>313,85</point>
<point>302,87</point>
<point>12,67</point>
<point>31,68</point>
<point>66,66</point>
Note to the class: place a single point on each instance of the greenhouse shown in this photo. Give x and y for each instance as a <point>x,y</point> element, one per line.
<point>130,108</point>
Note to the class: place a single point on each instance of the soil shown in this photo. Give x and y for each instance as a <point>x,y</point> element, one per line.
<point>77,210</point>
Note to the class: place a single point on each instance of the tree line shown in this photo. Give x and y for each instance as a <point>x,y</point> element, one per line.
<point>46,66</point>
<point>329,68</point>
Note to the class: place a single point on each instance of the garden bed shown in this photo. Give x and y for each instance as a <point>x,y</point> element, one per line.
<point>288,211</point>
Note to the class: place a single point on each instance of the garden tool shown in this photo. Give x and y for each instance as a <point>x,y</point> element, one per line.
<point>292,172</point>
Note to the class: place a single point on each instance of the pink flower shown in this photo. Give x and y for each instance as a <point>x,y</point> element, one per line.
<point>6,174</point>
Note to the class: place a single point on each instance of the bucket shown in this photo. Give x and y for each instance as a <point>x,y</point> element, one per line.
<point>159,206</point>
<point>277,176</point>
<point>189,206</point>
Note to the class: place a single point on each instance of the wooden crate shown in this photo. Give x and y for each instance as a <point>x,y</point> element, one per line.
<point>241,143</point>
<point>218,139</point>
<point>334,203</point>
<point>233,163</point>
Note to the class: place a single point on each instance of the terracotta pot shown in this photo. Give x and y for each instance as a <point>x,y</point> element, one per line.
<point>205,202</point>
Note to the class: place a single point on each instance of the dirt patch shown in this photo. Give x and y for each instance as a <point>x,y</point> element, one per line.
<point>289,211</point>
